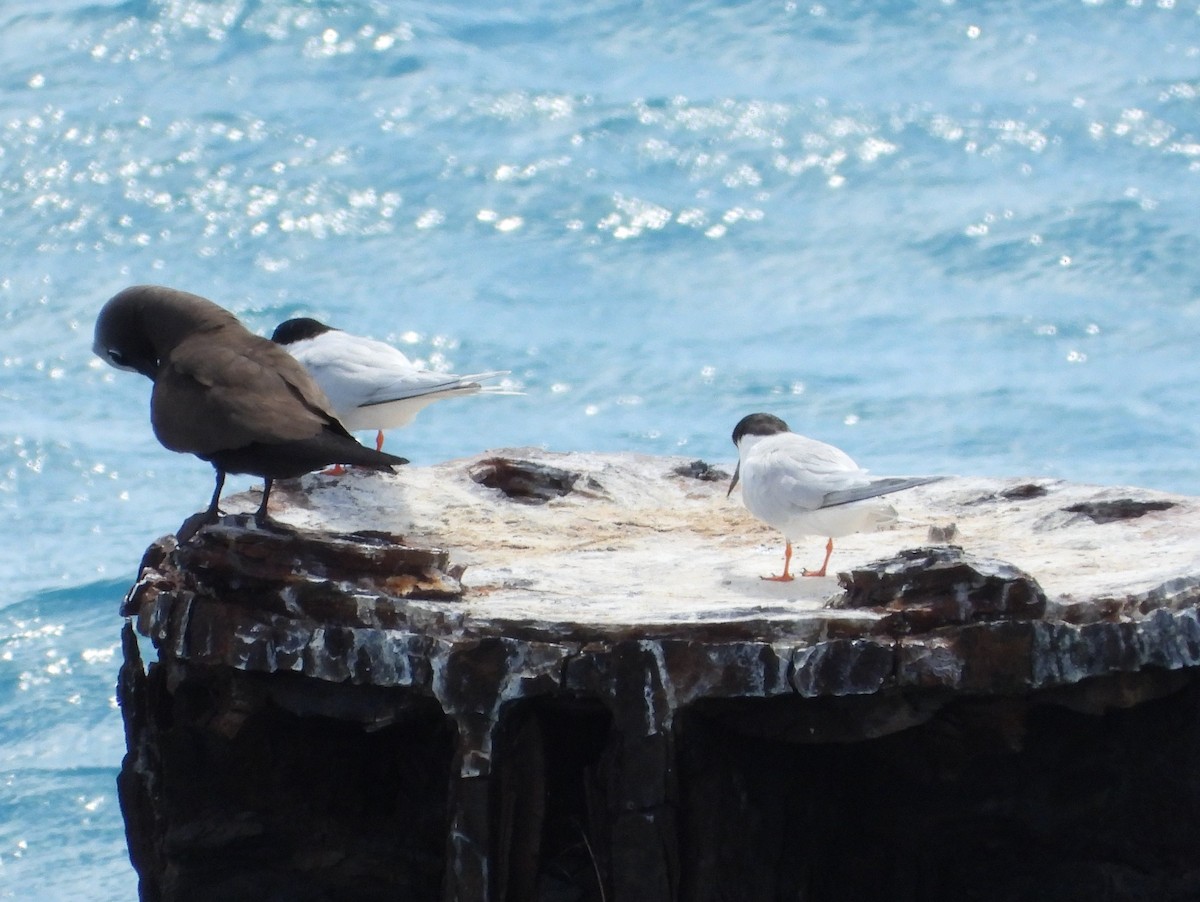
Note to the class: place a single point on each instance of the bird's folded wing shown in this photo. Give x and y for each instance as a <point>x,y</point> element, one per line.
<point>798,473</point>
<point>421,383</point>
<point>873,488</point>
<point>352,357</point>
<point>216,396</point>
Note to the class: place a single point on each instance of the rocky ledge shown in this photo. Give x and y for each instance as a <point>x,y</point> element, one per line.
<point>532,676</point>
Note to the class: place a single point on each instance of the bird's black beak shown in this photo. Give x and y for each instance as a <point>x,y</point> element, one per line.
<point>737,471</point>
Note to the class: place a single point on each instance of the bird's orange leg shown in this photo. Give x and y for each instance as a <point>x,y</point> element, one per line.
<point>379,440</point>
<point>784,577</point>
<point>824,563</point>
<point>335,470</point>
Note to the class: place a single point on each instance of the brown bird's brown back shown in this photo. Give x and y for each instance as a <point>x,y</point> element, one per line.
<point>227,388</point>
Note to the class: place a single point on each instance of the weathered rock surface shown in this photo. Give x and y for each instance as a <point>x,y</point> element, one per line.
<point>540,676</point>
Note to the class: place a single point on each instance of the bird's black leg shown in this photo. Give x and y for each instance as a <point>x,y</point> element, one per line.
<point>261,518</point>
<point>260,515</point>
<point>192,524</point>
<point>213,512</point>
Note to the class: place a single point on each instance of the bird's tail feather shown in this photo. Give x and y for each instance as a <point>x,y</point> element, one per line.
<point>454,385</point>
<point>285,460</point>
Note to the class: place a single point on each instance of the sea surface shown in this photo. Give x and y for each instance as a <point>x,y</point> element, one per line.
<point>948,237</point>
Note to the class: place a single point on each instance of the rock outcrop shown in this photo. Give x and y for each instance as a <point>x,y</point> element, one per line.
<point>546,677</point>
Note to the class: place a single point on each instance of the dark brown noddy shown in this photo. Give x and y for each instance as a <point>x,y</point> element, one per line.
<point>223,393</point>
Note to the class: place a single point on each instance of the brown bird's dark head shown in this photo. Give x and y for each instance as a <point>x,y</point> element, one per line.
<point>141,325</point>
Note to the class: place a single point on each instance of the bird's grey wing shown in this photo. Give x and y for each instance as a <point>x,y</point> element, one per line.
<point>423,383</point>
<point>215,395</point>
<point>873,488</point>
<point>418,384</point>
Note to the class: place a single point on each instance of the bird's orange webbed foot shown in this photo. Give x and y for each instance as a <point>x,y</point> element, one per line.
<point>335,470</point>
<point>785,576</point>
<point>824,563</point>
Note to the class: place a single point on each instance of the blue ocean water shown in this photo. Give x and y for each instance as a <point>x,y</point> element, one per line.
<point>948,237</point>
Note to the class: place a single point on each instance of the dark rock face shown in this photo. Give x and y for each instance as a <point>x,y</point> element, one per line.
<point>330,719</point>
<point>528,482</point>
<point>1120,509</point>
<point>931,587</point>
<point>1025,490</point>
<point>993,799</point>
<point>237,786</point>
<point>702,470</point>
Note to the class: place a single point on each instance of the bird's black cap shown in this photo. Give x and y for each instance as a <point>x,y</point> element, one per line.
<point>758,424</point>
<point>299,329</point>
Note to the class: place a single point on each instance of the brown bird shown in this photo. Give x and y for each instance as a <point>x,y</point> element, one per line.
<point>223,393</point>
